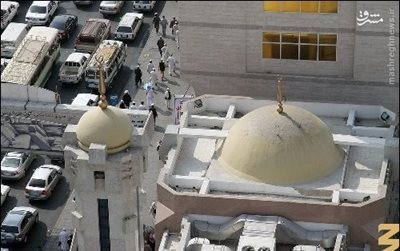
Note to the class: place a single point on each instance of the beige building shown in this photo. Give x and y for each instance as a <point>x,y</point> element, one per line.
<point>326,51</point>
<point>236,167</point>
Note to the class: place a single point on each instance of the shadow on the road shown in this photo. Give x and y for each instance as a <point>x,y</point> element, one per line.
<point>8,204</point>
<point>172,82</point>
<point>58,197</point>
<point>159,129</point>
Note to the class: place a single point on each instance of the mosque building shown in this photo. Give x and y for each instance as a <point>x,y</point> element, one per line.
<point>247,174</point>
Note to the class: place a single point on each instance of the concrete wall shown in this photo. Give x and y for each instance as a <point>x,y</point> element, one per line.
<point>221,53</point>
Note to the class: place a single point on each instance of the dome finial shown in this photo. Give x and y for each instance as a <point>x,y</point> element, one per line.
<point>102,88</point>
<point>279,95</point>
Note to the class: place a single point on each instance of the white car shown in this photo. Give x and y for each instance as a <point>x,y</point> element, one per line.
<point>43,182</point>
<point>111,7</point>
<point>74,67</point>
<point>41,12</point>
<point>144,5</point>
<point>5,190</point>
<point>8,11</point>
<point>15,164</point>
<point>129,26</point>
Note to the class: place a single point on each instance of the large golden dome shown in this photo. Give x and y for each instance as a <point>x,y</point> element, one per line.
<point>110,126</point>
<point>291,147</point>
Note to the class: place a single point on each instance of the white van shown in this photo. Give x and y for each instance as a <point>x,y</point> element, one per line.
<point>129,26</point>
<point>113,53</point>
<point>12,37</point>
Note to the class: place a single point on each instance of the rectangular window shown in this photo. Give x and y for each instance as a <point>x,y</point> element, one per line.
<point>104,225</point>
<point>301,6</point>
<point>299,46</point>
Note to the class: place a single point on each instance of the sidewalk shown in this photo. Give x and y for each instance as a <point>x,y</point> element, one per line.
<point>150,51</point>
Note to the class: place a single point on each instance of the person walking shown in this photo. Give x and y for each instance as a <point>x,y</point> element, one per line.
<point>161,68</point>
<point>160,44</point>
<point>142,106</point>
<point>153,77</point>
<point>171,24</point>
<point>164,24</point>
<point>150,66</point>
<point>149,97</point>
<point>138,76</point>
<point>171,64</point>
<point>126,98</point>
<point>166,53</point>
<point>132,106</point>
<point>63,240</point>
<point>156,22</point>
<point>175,28</point>
<point>167,97</point>
<point>154,112</point>
<point>177,38</point>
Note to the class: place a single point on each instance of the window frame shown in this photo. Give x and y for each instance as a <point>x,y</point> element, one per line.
<point>300,10</point>
<point>299,44</point>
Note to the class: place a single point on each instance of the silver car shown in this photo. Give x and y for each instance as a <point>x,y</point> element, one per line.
<point>5,190</point>
<point>15,164</point>
<point>17,224</point>
<point>43,182</point>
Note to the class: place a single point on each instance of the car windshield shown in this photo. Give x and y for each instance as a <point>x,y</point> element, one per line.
<point>11,162</point>
<point>9,229</point>
<point>37,183</point>
<point>38,9</point>
<point>124,29</point>
<point>58,23</point>
<point>109,2</point>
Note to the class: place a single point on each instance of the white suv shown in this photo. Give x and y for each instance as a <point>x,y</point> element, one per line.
<point>8,11</point>
<point>41,12</point>
<point>129,26</point>
<point>43,182</point>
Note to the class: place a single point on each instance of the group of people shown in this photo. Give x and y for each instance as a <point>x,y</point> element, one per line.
<point>173,25</point>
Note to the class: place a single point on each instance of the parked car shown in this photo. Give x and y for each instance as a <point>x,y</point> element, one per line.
<point>144,5</point>
<point>129,26</point>
<point>17,224</point>
<point>15,164</point>
<point>8,11</point>
<point>111,7</point>
<point>41,12</point>
<point>5,190</point>
<point>43,182</point>
<point>11,37</point>
<point>74,67</point>
<point>92,33</point>
<point>82,2</point>
<point>65,24</point>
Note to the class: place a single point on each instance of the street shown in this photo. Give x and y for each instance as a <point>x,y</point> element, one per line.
<point>50,210</point>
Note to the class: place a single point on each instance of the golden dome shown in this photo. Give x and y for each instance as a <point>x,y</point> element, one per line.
<point>291,147</point>
<point>110,126</point>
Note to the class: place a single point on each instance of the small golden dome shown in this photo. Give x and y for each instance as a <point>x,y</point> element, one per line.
<point>110,126</point>
<point>291,147</point>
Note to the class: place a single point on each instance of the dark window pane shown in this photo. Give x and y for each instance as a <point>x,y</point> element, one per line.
<point>328,6</point>
<point>291,6</point>
<point>272,6</point>
<point>309,6</point>
<point>290,51</point>
<point>290,37</point>
<point>327,38</point>
<point>308,38</point>
<point>327,53</point>
<point>104,225</point>
<point>308,52</point>
<point>271,37</point>
<point>271,51</point>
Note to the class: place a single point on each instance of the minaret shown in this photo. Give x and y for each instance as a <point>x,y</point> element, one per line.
<point>108,167</point>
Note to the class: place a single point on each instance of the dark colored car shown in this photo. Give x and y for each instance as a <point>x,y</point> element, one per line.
<point>65,24</point>
<point>17,224</point>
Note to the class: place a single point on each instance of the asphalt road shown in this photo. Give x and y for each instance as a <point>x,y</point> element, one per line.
<point>50,209</point>
<point>126,75</point>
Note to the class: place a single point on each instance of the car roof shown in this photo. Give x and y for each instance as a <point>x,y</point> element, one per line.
<point>15,154</point>
<point>129,18</point>
<point>41,173</point>
<point>63,17</point>
<point>13,31</point>
<point>40,3</point>
<point>14,217</point>
<point>77,56</point>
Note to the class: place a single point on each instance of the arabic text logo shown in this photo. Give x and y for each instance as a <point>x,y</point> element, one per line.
<point>365,17</point>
